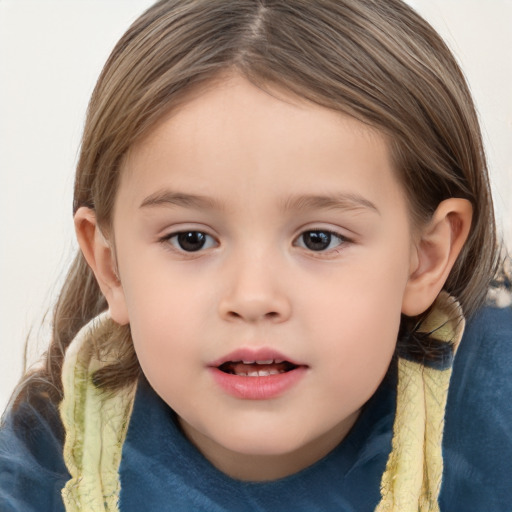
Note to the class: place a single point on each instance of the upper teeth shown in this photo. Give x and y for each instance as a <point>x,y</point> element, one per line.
<point>259,373</point>
<point>267,361</point>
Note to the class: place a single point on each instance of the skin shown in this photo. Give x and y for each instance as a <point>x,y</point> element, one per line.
<point>269,169</point>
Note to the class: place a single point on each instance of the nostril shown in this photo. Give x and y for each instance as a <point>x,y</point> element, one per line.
<point>253,308</point>
<point>269,316</point>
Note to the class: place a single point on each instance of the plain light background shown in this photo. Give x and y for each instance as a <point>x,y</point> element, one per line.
<point>51,53</point>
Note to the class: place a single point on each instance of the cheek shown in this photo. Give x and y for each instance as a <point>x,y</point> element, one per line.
<point>165,354</point>
<point>359,344</point>
<point>358,320</point>
<point>165,319</point>
<point>361,331</point>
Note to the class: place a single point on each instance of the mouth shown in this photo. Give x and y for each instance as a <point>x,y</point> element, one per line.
<point>262,368</point>
<point>260,374</point>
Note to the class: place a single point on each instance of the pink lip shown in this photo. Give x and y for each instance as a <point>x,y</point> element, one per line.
<point>256,388</point>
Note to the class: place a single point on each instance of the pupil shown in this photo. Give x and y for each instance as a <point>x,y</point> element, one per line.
<point>191,240</point>
<point>317,240</point>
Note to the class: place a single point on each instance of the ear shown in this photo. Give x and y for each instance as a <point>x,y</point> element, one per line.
<point>441,241</point>
<point>101,258</point>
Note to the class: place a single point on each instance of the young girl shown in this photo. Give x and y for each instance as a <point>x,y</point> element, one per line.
<point>284,218</point>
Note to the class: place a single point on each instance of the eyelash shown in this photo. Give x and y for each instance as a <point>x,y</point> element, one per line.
<point>173,239</point>
<point>342,240</point>
<point>168,239</point>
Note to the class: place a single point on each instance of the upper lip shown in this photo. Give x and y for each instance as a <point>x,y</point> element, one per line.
<point>253,355</point>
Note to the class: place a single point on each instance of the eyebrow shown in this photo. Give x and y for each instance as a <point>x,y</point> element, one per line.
<point>342,201</point>
<point>171,198</point>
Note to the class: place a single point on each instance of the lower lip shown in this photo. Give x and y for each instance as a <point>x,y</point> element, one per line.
<point>258,388</point>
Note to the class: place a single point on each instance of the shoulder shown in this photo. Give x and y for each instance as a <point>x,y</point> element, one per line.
<point>477,446</point>
<point>483,364</point>
<point>32,471</point>
<point>486,348</point>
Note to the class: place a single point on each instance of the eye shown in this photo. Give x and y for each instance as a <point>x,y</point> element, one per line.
<point>319,240</point>
<point>190,241</point>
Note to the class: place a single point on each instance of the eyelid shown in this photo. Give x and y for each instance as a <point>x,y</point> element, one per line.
<point>326,227</point>
<point>176,228</point>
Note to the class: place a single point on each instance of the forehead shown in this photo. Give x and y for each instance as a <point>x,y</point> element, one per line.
<point>233,134</point>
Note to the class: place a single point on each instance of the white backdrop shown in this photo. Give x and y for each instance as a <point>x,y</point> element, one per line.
<point>51,53</point>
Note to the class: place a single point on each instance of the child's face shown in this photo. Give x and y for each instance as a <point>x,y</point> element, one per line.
<point>254,228</point>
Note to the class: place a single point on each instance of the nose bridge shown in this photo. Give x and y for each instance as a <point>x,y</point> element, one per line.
<point>254,289</point>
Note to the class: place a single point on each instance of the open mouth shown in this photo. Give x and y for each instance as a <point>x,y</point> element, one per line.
<point>257,368</point>
<point>275,373</point>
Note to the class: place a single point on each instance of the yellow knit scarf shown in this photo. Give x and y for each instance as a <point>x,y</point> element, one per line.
<point>414,470</point>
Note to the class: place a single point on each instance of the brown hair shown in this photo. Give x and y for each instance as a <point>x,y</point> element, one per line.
<point>375,60</point>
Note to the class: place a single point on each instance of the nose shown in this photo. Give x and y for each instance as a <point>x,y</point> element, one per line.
<point>254,292</point>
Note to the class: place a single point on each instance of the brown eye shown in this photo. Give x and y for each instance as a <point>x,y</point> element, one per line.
<point>191,241</point>
<point>319,240</point>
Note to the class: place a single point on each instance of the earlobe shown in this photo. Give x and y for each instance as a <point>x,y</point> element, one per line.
<point>439,245</point>
<point>100,256</point>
